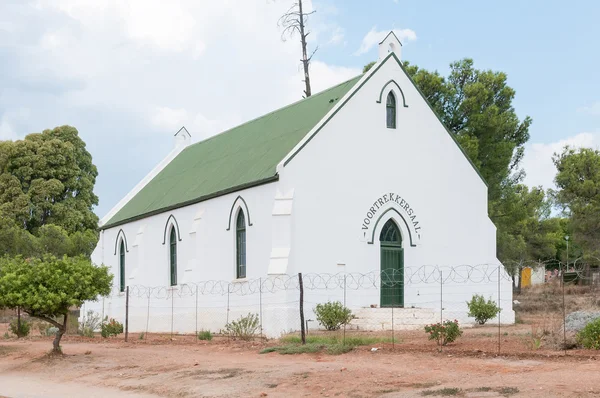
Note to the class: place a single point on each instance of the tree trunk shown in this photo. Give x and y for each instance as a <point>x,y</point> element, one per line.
<point>61,330</point>
<point>19,322</point>
<point>305,60</point>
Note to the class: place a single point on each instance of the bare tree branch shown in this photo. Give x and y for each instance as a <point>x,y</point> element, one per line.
<point>294,20</point>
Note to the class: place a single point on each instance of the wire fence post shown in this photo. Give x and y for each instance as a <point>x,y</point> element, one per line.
<point>102,319</point>
<point>441,306</point>
<point>260,306</point>
<point>562,279</point>
<point>227,319</point>
<point>344,336</point>
<point>500,311</point>
<point>126,313</point>
<point>172,310</point>
<point>196,312</point>
<point>393,339</point>
<point>148,315</point>
<point>302,329</point>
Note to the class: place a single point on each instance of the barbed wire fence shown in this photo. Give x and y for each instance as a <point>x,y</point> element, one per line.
<point>387,303</point>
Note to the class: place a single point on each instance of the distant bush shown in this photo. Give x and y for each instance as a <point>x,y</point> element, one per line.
<point>244,328</point>
<point>23,331</point>
<point>51,331</point>
<point>333,315</point>
<point>111,328</point>
<point>482,310</point>
<point>90,324</point>
<point>589,336</point>
<point>444,333</point>
<point>205,335</point>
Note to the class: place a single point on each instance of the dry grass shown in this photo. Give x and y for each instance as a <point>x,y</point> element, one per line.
<point>541,306</point>
<point>547,300</point>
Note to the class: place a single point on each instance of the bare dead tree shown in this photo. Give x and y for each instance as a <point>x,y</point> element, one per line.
<point>292,22</point>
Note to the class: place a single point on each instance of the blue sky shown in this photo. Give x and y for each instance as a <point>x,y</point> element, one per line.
<point>129,74</point>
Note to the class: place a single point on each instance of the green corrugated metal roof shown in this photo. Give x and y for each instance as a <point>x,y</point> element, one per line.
<point>244,156</point>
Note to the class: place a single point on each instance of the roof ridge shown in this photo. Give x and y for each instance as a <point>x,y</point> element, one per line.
<point>320,93</point>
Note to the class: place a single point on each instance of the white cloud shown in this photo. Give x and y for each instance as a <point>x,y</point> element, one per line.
<point>128,74</point>
<point>6,131</point>
<point>538,164</point>
<point>169,119</point>
<point>374,37</point>
<point>10,119</point>
<point>337,36</point>
<point>593,109</point>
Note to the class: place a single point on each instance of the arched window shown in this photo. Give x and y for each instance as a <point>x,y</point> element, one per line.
<point>240,239</point>
<point>390,234</point>
<point>390,107</point>
<point>173,255</point>
<point>122,266</point>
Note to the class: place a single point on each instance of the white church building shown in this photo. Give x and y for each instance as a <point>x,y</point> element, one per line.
<point>360,179</point>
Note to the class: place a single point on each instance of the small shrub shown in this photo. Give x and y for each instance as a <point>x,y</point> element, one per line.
<point>6,336</point>
<point>141,336</point>
<point>23,331</point>
<point>482,310</point>
<point>51,331</point>
<point>111,328</point>
<point>205,335</point>
<point>333,315</point>
<point>444,333</point>
<point>589,336</point>
<point>244,328</point>
<point>90,324</point>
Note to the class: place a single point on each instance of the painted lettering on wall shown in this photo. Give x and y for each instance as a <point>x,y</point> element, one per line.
<point>396,200</point>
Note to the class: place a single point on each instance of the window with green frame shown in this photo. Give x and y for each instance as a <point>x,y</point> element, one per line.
<point>240,239</point>
<point>173,255</point>
<point>122,266</point>
<point>390,107</point>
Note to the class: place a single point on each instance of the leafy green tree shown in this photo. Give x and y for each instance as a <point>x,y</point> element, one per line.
<point>476,105</point>
<point>46,288</point>
<point>526,232</point>
<point>48,178</point>
<point>54,240</point>
<point>368,66</point>
<point>46,195</point>
<point>578,183</point>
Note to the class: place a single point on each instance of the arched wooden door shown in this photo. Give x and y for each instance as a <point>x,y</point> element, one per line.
<point>392,266</point>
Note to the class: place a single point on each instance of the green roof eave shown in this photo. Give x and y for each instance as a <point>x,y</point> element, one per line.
<point>191,202</point>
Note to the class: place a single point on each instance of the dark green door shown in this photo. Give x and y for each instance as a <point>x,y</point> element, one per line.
<point>392,266</point>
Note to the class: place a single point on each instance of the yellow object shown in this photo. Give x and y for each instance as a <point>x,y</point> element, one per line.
<point>526,277</point>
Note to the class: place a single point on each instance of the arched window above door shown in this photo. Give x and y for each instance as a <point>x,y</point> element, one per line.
<point>390,233</point>
<point>390,108</point>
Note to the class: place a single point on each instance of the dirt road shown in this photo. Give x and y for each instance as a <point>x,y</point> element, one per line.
<point>111,369</point>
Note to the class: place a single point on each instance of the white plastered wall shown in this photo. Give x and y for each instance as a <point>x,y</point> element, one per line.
<point>354,160</point>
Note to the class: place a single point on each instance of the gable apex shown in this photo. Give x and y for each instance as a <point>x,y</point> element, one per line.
<point>363,80</point>
<point>183,131</point>
<point>393,34</point>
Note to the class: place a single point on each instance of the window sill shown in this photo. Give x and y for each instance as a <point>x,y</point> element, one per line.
<point>240,280</point>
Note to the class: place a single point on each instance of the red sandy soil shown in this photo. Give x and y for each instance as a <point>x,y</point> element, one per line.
<point>185,367</point>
